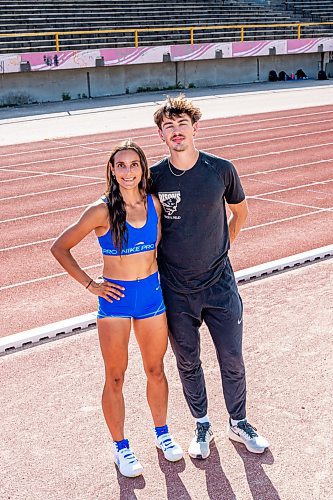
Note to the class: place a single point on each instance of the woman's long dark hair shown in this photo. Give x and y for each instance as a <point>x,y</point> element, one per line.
<point>115,202</point>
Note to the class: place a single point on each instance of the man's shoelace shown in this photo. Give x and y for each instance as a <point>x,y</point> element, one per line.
<point>201,431</point>
<point>247,428</point>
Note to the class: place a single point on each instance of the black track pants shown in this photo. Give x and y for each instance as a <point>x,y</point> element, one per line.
<point>220,306</point>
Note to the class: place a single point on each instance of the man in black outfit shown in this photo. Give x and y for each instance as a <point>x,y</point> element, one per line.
<point>196,276</point>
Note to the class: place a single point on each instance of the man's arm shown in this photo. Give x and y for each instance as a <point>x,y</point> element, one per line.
<point>239,213</point>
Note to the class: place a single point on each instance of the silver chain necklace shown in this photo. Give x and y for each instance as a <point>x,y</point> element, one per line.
<point>173,173</point>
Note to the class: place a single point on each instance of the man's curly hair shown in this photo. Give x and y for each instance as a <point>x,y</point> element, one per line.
<point>175,106</point>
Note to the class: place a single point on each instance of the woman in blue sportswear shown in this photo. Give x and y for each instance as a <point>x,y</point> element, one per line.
<point>126,221</point>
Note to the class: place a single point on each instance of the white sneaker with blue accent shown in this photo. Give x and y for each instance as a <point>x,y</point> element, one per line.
<point>126,461</point>
<point>171,450</point>
<point>245,433</point>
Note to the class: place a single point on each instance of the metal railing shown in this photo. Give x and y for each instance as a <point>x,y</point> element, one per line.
<point>242,28</point>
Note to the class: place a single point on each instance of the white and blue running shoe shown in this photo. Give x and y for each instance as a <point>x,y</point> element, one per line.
<point>171,450</point>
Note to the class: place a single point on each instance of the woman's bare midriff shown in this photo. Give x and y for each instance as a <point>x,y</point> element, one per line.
<point>130,267</point>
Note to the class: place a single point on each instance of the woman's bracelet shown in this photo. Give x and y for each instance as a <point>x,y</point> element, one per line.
<point>89,283</point>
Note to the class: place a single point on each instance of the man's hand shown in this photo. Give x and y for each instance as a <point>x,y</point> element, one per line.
<point>239,213</point>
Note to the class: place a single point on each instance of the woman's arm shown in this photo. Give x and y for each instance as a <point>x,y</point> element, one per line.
<point>61,248</point>
<point>158,208</point>
<point>92,217</point>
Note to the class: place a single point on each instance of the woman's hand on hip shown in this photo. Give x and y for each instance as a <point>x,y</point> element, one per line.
<point>107,290</point>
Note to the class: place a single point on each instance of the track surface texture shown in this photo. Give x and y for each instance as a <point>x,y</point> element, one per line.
<point>284,158</point>
<point>55,444</point>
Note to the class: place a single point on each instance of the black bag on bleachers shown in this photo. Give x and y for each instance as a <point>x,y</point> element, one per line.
<point>283,76</point>
<point>322,75</point>
<point>272,76</point>
<point>300,75</point>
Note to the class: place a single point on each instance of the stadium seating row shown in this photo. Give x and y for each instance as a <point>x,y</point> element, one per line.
<point>20,16</point>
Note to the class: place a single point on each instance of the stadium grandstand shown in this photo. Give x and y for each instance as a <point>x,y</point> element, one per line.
<point>31,26</point>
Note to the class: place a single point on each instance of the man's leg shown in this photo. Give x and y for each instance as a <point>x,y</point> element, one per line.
<point>183,323</point>
<point>184,320</point>
<point>226,333</point>
<point>224,318</point>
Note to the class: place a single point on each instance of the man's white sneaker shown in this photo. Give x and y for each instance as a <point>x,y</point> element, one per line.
<point>245,433</point>
<point>171,450</point>
<point>199,447</point>
<point>127,463</point>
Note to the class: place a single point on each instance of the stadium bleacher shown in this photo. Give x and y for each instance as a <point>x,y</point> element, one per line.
<point>22,16</point>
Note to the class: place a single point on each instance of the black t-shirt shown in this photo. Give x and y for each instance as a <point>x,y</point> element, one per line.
<point>195,237</point>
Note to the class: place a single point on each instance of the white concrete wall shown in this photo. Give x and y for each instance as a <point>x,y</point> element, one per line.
<point>46,86</point>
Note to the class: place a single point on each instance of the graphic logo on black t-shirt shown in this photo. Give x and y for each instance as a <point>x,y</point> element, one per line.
<point>170,201</point>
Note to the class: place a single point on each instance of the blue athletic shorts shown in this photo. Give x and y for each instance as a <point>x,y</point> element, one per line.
<point>143,299</point>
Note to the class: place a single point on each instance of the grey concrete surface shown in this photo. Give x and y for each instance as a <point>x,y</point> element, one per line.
<point>93,116</point>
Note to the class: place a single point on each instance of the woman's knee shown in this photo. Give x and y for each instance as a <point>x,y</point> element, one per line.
<point>114,379</point>
<point>155,372</point>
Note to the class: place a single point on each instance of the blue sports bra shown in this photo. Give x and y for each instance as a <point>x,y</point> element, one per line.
<point>142,239</point>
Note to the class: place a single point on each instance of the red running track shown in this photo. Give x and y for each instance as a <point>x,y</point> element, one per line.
<point>285,160</point>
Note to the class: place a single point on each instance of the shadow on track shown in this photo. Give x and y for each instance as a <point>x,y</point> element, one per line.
<point>127,486</point>
<point>218,485</point>
<point>259,483</point>
<point>174,484</point>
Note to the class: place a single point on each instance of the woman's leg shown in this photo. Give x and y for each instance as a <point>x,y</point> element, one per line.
<point>152,337</point>
<point>113,338</point>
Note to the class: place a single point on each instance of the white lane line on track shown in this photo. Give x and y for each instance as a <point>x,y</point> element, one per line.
<point>217,148</point>
<point>101,166</point>
<point>301,186</point>
<point>43,278</point>
<point>136,137</point>
<point>23,245</point>
<point>50,191</point>
<point>287,219</point>
<point>159,144</point>
<point>250,228</point>
<point>43,174</point>
<point>258,172</point>
<point>246,175</point>
<point>80,323</point>
<point>48,160</point>
<point>302,205</point>
<point>38,242</point>
<point>272,152</point>
<point>14,219</point>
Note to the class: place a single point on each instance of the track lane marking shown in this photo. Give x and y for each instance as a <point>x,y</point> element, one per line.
<point>44,278</point>
<point>258,172</point>
<point>288,203</point>
<point>316,210</point>
<point>24,245</point>
<point>14,219</point>
<point>159,144</point>
<point>201,128</point>
<point>43,174</point>
<point>50,191</point>
<point>287,219</point>
<point>301,186</point>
